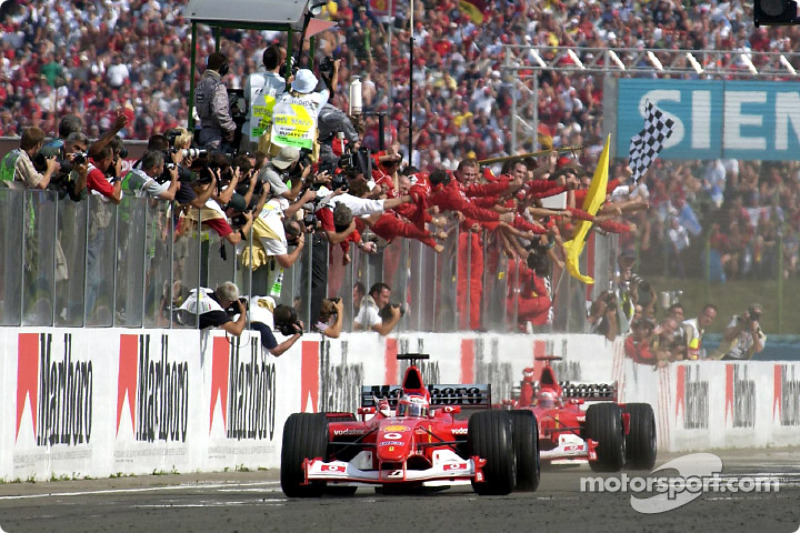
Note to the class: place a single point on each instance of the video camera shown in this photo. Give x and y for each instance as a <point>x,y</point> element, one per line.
<point>357,162</point>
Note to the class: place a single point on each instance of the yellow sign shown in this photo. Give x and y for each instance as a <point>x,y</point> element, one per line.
<point>294,123</point>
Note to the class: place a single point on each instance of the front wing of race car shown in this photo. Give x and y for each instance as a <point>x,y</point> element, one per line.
<point>570,449</point>
<point>446,466</point>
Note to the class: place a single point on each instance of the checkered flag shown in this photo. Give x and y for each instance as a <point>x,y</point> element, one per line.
<point>648,143</point>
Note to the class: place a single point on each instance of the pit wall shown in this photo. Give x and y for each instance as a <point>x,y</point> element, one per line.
<point>104,402</point>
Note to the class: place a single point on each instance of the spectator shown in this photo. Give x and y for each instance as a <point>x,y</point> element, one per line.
<point>637,343</point>
<point>369,316</point>
<point>743,336</point>
<point>217,128</point>
<point>359,291</point>
<point>17,165</point>
<point>527,281</point>
<point>217,308</point>
<point>694,328</point>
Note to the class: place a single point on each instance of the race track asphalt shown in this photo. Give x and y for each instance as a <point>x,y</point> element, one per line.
<point>252,501</point>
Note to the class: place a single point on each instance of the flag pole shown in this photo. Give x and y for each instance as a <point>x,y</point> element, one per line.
<point>410,82</point>
<point>530,154</point>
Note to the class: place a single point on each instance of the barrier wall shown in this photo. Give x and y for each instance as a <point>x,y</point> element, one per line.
<point>101,402</point>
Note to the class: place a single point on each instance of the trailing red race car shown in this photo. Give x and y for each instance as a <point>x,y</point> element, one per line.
<point>408,436</point>
<point>607,434</point>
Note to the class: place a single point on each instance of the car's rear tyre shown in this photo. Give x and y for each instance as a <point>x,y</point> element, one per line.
<point>490,437</point>
<point>604,425</point>
<point>641,442</point>
<point>305,436</point>
<point>526,450</point>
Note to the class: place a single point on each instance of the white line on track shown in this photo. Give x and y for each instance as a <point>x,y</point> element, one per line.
<point>251,487</point>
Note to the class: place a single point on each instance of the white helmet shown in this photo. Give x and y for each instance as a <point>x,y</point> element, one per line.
<point>415,405</point>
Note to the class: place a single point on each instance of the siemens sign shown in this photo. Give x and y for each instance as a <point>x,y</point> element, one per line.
<point>716,119</point>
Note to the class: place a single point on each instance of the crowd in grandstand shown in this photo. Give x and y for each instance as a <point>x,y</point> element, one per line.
<point>125,67</point>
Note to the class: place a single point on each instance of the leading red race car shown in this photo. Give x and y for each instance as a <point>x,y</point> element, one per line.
<point>607,434</point>
<point>408,436</point>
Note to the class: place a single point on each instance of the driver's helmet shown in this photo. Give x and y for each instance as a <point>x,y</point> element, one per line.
<point>546,399</point>
<point>412,405</point>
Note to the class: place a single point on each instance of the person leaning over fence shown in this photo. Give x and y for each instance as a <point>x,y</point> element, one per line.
<point>376,313</point>
<point>144,182</point>
<point>216,308</point>
<point>266,317</point>
<point>743,337</point>
<point>694,328</point>
<point>17,165</point>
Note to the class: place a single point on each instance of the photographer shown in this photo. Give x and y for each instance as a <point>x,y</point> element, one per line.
<point>17,165</point>
<point>335,128</point>
<point>330,318</point>
<point>143,181</point>
<point>217,308</point>
<point>265,316</point>
<point>376,313</point>
<point>603,316</point>
<point>283,167</point>
<point>743,336</point>
<point>70,178</point>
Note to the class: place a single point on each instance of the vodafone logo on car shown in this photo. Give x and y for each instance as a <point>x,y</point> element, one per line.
<point>452,467</point>
<point>336,469</point>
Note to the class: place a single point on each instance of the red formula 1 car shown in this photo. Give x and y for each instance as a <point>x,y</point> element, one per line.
<point>607,434</point>
<point>408,436</point>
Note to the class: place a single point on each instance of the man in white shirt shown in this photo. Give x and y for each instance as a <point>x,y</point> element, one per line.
<point>369,316</point>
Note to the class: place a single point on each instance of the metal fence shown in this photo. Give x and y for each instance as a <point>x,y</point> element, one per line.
<point>97,264</point>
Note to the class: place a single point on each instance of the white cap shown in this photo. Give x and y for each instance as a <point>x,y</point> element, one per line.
<point>304,81</point>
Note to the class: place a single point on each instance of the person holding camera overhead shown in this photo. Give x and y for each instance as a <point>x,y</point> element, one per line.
<point>743,336</point>
<point>217,308</point>
<point>376,313</point>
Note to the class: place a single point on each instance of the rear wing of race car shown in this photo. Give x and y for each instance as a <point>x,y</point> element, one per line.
<point>588,392</point>
<point>472,396</point>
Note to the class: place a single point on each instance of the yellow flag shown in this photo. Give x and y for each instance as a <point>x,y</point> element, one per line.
<point>591,204</point>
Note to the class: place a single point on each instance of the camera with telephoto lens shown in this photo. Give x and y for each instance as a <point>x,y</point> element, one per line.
<point>193,153</point>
